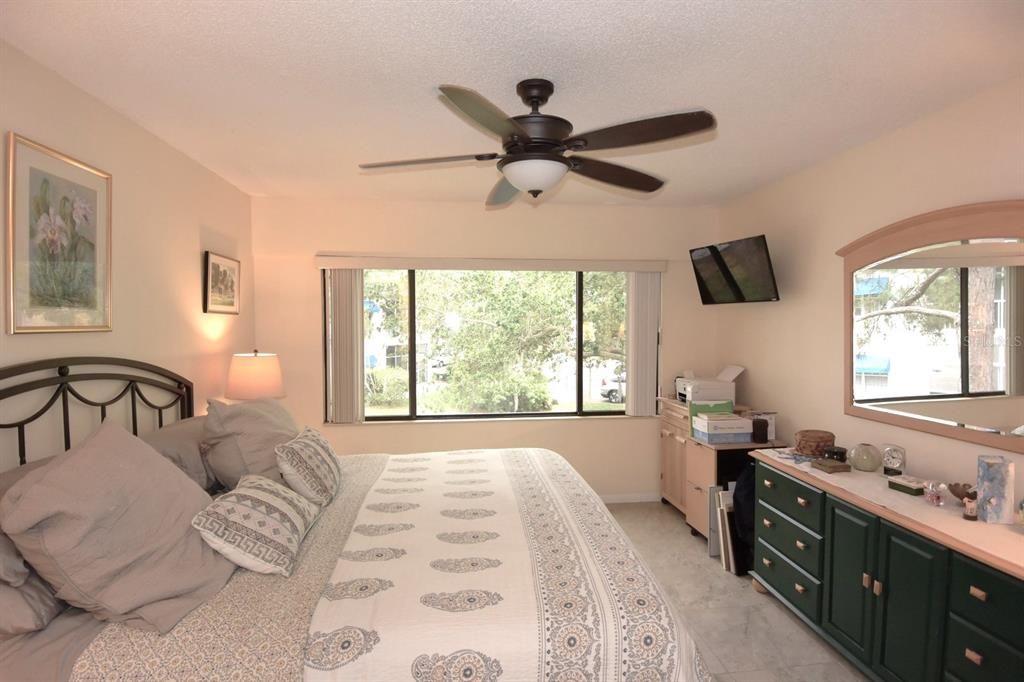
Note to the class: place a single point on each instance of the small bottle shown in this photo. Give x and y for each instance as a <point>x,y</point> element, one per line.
<point>970,509</point>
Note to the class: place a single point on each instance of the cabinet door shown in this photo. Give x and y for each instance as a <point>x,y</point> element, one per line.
<point>679,455</point>
<point>851,540</point>
<point>910,614</point>
<point>667,460</point>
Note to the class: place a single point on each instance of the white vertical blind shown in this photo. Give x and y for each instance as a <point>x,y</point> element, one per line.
<point>1014,330</point>
<point>343,298</point>
<point>644,309</point>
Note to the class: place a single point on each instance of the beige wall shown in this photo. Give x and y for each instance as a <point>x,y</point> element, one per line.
<point>167,210</point>
<point>1005,413</point>
<point>617,455</point>
<point>793,349</point>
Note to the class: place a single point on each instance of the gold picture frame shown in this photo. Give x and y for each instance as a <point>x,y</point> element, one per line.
<point>59,241</point>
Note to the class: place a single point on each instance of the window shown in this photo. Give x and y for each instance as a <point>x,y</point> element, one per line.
<point>385,342</point>
<point>460,343</point>
<point>929,332</point>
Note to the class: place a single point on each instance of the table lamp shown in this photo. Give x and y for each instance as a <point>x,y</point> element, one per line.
<point>253,376</point>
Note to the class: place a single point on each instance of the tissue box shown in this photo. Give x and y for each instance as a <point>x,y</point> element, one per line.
<point>995,489</point>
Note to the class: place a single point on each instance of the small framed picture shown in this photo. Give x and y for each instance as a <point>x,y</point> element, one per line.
<point>58,241</point>
<point>221,284</point>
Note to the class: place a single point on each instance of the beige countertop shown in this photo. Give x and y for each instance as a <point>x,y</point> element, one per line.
<point>999,546</point>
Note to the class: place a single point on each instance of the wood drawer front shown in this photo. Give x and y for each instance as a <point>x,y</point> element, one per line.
<point>975,656</point>
<point>799,589</point>
<point>793,498</point>
<point>988,598</point>
<point>800,545</point>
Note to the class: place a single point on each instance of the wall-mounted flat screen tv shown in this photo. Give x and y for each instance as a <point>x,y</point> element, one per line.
<point>739,271</point>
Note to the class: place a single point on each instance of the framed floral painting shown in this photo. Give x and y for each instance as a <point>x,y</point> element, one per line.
<point>221,279</point>
<point>58,241</point>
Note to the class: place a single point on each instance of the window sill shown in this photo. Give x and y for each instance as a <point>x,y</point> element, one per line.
<point>489,420</point>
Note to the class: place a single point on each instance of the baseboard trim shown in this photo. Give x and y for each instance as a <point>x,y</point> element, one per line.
<point>622,499</point>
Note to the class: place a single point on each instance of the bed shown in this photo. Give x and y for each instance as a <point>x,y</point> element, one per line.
<point>473,565</point>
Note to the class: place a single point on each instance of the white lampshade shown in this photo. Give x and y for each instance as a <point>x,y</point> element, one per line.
<point>534,175</point>
<point>254,375</point>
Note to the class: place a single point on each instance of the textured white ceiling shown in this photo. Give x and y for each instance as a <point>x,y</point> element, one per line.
<point>285,98</point>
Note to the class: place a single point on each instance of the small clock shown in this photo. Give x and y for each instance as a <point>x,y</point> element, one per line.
<point>894,460</point>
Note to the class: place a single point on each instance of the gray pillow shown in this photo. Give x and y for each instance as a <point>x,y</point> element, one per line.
<point>13,571</point>
<point>259,525</point>
<point>9,478</point>
<point>27,608</point>
<point>108,524</point>
<point>182,443</point>
<point>242,437</point>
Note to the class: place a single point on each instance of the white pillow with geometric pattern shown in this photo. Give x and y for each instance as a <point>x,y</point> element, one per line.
<point>310,467</point>
<point>259,525</point>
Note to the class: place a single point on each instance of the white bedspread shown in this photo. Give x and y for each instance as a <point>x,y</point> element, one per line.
<point>492,565</point>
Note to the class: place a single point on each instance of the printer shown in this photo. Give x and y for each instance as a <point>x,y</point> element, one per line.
<point>690,388</point>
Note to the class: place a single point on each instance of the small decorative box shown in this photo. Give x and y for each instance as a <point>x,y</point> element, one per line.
<point>907,484</point>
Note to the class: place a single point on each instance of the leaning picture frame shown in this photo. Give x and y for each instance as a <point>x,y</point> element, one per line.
<point>58,241</point>
<point>221,284</point>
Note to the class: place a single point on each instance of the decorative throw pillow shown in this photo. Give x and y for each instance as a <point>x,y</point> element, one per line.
<point>242,437</point>
<point>27,608</point>
<point>310,467</point>
<point>108,525</point>
<point>259,525</point>
<point>182,443</point>
<point>13,571</point>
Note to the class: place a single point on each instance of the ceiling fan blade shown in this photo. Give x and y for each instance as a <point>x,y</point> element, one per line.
<point>502,193</point>
<point>436,159</point>
<point>481,110</point>
<point>643,131</point>
<point>615,174</point>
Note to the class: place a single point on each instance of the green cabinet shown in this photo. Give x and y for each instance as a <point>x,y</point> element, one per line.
<point>851,541</point>
<point>911,586</point>
<point>902,608</point>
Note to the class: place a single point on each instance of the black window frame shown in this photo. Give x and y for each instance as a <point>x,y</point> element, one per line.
<point>965,359</point>
<point>412,416</point>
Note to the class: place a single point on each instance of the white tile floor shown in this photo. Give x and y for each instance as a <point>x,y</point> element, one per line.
<point>744,636</point>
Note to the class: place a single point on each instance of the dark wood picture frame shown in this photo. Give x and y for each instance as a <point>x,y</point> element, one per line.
<point>215,268</point>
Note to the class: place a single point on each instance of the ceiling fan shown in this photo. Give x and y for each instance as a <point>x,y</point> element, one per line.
<point>535,143</point>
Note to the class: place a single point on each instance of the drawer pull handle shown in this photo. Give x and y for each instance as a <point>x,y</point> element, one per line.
<point>767,523</point>
<point>877,588</point>
<point>800,589</point>
<point>802,502</point>
<point>973,656</point>
<point>769,484</point>
<point>977,593</point>
<point>801,545</point>
<point>767,562</point>
<point>865,580</point>
<point>665,434</point>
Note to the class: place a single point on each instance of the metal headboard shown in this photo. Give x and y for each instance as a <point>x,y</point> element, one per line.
<point>64,379</point>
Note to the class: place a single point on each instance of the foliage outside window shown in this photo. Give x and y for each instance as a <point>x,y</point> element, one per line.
<point>929,332</point>
<point>490,342</point>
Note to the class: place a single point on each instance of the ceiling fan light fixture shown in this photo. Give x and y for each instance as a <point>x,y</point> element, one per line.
<point>534,174</point>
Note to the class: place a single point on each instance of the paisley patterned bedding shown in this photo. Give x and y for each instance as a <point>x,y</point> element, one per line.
<point>496,565</point>
<point>490,566</point>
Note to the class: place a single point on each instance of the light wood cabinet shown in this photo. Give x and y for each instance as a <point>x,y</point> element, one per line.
<point>690,468</point>
<point>701,474</point>
<point>673,465</point>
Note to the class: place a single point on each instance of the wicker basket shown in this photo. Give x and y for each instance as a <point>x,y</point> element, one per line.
<point>812,442</point>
